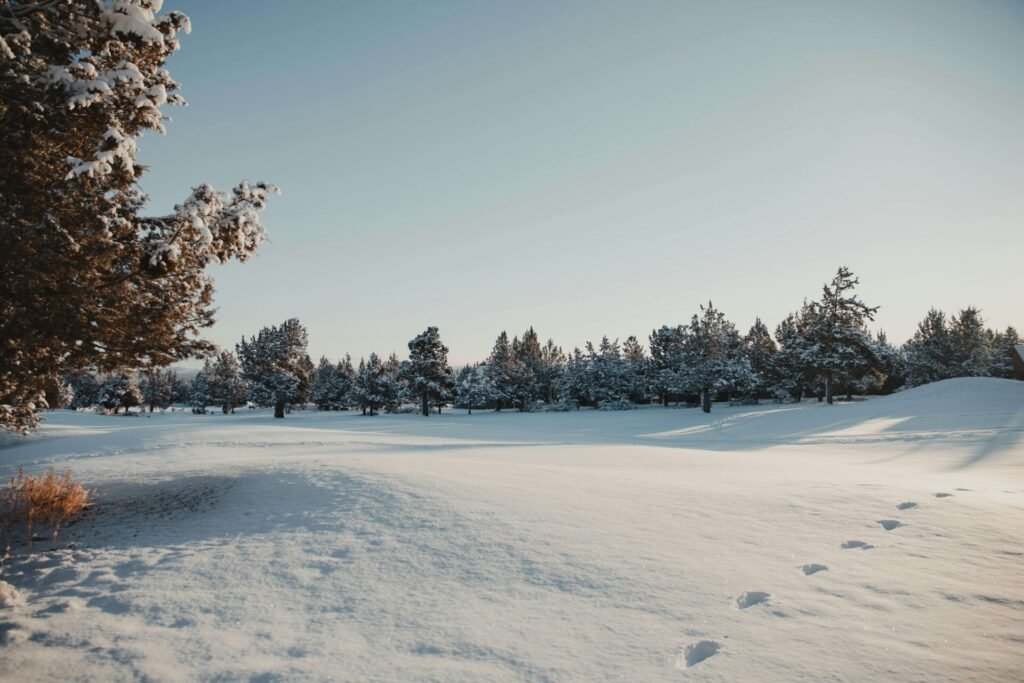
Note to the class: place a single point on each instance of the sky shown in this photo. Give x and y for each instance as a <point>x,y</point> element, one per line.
<point>601,168</point>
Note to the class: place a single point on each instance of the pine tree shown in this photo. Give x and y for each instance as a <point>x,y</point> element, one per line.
<point>548,375</point>
<point>637,369</point>
<point>1003,345</point>
<point>664,378</point>
<point>155,388</point>
<point>276,366</point>
<point>368,388</point>
<point>930,352</point>
<point>85,388</point>
<point>428,374</point>
<point>226,386</point>
<point>759,348</point>
<point>199,393</point>
<point>325,389</point>
<point>711,346</point>
<point>87,281</point>
<point>120,390</point>
<point>473,388</point>
<point>972,350</point>
<point>842,347</point>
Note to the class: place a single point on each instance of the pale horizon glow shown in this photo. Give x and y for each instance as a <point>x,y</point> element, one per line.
<point>601,168</point>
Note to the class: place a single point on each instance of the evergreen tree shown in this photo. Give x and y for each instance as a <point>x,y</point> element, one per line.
<point>87,281</point>
<point>513,380</point>
<point>791,369</point>
<point>712,356</point>
<point>429,376</point>
<point>85,390</point>
<point>972,350</point>
<point>474,388</point>
<point>276,366</point>
<point>1003,345</point>
<point>664,371</point>
<point>368,388</point>
<point>929,353</point>
<point>328,390</point>
<point>226,386</point>
<point>636,369</point>
<point>574,383</point>
<point>199,394</point>
<point>155,388</point>
<point>759,348</point>
<point>549,372</point>
<point>120,390</point>
<point>607,380</point>
<point>842,347</point>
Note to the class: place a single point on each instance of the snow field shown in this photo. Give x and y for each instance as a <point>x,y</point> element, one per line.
<point>877,540</point>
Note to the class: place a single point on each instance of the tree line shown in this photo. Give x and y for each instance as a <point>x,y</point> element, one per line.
<point>822,350</point>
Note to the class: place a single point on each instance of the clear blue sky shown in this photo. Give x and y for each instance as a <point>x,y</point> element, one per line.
<point>596,168</point>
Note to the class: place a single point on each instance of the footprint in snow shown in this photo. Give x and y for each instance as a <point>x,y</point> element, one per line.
<point>906,506</point>
<point>809,569</point>
<point>751,598</point>
<point>695,653</point>
<point>943,494</point>
<point>890,524</point>
<point>856,544</point>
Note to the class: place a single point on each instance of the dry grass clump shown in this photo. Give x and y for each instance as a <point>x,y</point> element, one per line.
<point>48,498</point>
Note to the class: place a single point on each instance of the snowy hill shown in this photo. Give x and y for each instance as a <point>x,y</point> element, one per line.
<point>880,539</point>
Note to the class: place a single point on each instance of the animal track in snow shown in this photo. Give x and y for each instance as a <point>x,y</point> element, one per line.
<point>809,569</point>
<point>943,494</point>
<point>695,653</point>
<point>856,544</point>
<point>906,506</point>
<point>890,524</point>
<point>751,598</point>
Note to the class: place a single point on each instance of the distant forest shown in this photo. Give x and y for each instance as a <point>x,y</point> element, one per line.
<point>822,350</point>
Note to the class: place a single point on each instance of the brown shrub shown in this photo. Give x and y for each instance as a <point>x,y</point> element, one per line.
<point>47,498</point>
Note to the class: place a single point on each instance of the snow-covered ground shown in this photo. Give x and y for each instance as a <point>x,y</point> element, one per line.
<point>879,540</point>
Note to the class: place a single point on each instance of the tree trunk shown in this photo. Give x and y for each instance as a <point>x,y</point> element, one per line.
<point>828,388</point>
<point>426,405</point>
<point>364,411</point>
<point>705,400</point>
<point>279,409</point>
<point>225,408</point>
<point>469,410</point>
<point>664,399</point>
<point>151,407</point>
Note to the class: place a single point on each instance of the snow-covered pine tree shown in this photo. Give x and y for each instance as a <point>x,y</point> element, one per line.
<point>637,369</point>
<point>395,389</point>
<point>1003,345</point>
<point>199,391</point>
<point>224,378</point>
<point>85,388</point>
<point>155,387</point>
<point>552,363</point>
<point>323,390</point>
<point>608,383</point>
<point>368,386</point>
<point>276,366</point>
<point>473,388</point>
<point>87,281</point>
<point>664,379</point>
<point>791,368</point>
<point>759,348</point>
<point>428,374</point>
<point>514,381</point>
<point>842,347</point>
<point>972,350</point>
<point>120,390</point>
<point>929,353</point>
<point>711,347</point>
<point>573,384</point>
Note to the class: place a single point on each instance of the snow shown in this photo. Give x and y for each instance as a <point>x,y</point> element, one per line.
<point>655,544</point>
